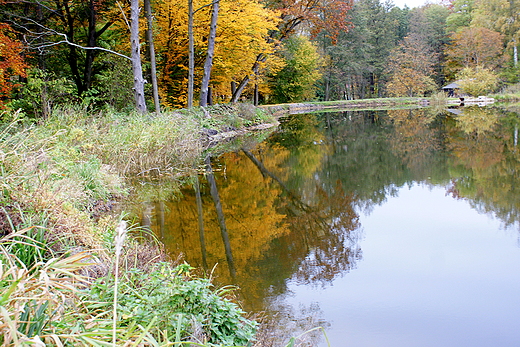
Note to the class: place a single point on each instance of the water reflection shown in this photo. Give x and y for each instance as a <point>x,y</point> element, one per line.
<point>286,212</point>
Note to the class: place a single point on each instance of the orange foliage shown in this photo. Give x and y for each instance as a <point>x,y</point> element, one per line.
<point>476,47</point>
<point>330,16</point>
<point>11,61</point>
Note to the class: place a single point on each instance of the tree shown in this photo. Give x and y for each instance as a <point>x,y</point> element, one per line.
<point>191,54</point>
<point>296,81</point>
<point>502,16</point>
<point>46,26</point>
<point>477,46</point>
<point>137,68</point>
<point>356,64</point>
<point>151,49</point>
<point>328,16</point>
<point>411,67</point>
<point>477,80</point>
<point>12,62</point>
<point>242,29</point>
<point>72,39</point>
<point>208,64</point>
<point>461,15</point>
<point>429,22</point>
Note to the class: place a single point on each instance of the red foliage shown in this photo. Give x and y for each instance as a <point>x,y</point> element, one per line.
<point>12,62</point>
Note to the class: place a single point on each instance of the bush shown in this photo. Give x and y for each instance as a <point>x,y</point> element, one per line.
<point>477,81</point>
<point>176,305</point>
<point>42,93</point>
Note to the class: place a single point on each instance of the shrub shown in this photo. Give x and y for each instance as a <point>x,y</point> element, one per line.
<point>177,306</point>
<point>477,81</point>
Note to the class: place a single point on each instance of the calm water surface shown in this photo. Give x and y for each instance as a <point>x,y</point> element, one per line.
<point>386,228</point>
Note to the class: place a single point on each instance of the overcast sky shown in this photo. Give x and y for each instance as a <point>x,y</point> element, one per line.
<point>411,3</point>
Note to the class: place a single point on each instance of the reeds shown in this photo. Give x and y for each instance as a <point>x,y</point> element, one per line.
<point>33,298</point>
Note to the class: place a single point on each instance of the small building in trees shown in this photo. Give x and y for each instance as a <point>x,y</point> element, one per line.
<point>452,89</point>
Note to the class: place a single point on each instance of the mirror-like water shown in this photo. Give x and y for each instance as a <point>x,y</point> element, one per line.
<point>387,228</point>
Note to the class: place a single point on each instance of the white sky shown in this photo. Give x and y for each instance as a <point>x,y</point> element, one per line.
<point>411,3</point>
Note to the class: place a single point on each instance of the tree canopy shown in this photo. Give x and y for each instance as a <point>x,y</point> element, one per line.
<point>267,50</point>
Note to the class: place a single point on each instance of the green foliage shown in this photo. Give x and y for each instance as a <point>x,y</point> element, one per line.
<point>355,66</point>
<point>477,81</point>
<point>42,92</point>
<point>510,75</point>
<point>296,82</point>
<point>513,89</point>
<point>461,15</point>
<point>51,304</point>
<point>177,305</point>
<point>29,248</point>
<point>113,87</point>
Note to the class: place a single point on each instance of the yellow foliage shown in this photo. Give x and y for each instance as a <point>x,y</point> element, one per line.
<point>242,32</point>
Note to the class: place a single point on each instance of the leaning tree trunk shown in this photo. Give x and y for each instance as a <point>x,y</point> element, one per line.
<point>137,68</point>
<point>209,56</point>
<point>238,91</point>
<point>153,64</point>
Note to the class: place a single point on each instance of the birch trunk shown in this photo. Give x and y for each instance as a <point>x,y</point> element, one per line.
<point>209,56</point>
<point>515,53</point>
<point>191,55</point>
<point>153,64</point>
<point>137,68</point>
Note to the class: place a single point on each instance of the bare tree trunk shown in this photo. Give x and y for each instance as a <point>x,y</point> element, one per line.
<point>515,53</point>
<point>210,96</point>
<point>91,43</point>
<point>209,56</point>
<point>137,68</point>
<point>153,64</point>
<point>191,55</point>
<point>233,87</point>
<point>236,95</point>
<point>240,89</point>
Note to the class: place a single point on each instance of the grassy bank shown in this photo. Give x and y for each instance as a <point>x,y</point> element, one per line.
<point>58,275</point>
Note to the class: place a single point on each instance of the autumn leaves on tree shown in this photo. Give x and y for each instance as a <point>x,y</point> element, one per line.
<point>180,53</point>
<point>11,62</point>
<point>82,41</point>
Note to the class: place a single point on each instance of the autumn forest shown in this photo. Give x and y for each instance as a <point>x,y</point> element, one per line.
<point>58,52</point>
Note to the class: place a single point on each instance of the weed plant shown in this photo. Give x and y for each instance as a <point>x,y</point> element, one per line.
<point>439,99</point>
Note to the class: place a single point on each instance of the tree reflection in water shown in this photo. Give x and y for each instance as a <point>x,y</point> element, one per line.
<point>321,234</point>
<point>289,206</point>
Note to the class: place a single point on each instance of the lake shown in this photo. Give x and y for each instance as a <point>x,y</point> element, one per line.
<point>385,228</point>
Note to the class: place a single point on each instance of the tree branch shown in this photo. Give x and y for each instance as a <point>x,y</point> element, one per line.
<point>208,5</point>
<point>49,32</point>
